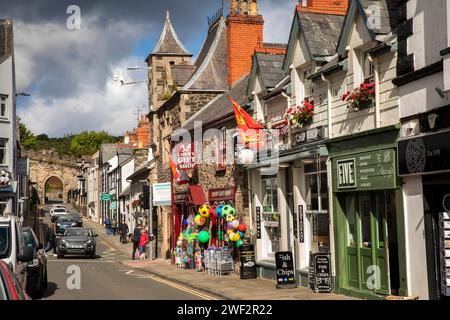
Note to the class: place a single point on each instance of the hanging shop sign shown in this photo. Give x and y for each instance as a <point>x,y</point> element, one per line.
<point>285,270</point>
<point>301,226</point>
<point>185,157</point>
<point>162,194</point>
<point>366,171</point>
<point>310,135</point>
<point>258,222</point>
<point>425,154</point>
<point>295,220</point>
<point>113,205</point>
<point>105,197</point>
<point>23,166</point>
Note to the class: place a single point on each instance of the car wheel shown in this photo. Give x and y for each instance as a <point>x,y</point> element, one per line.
<point>92,255</point>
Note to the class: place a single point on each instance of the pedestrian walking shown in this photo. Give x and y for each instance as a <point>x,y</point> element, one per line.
<point>136,240</point>
<point>51,240</point>
<point>123,230</point>
<point>143,243</point>
<point>108,226</point>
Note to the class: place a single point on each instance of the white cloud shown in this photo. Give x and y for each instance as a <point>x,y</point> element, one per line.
<point>278,15</point>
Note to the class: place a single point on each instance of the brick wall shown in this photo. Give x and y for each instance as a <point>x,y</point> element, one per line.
<point>245,35</point>
<point>338,7</point>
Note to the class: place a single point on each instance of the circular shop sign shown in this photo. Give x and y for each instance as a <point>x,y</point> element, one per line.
<point>106,197</point>
<point>446,203</point>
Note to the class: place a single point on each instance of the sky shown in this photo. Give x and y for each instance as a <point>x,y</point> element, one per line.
<point>69,72</point>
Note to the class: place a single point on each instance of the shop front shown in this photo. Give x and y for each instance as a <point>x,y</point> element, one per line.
<point>290,206</point>
<point>368,215</point>
<point>424,160</point>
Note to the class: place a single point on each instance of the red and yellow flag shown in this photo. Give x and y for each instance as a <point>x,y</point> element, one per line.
<point>251,131</point>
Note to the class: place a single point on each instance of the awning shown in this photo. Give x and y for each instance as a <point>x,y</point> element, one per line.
<point>197,195</point>
<point>125,192</point>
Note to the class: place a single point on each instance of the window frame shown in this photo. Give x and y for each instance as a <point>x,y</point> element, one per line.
<point>6,103</point>
<point>269,253</point>
<point>5,148</point>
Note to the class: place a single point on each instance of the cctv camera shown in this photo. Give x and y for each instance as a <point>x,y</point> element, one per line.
<point>442,94</point>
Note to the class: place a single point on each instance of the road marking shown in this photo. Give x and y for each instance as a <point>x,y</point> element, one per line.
<point>129,272</point>
<point>182,288</point>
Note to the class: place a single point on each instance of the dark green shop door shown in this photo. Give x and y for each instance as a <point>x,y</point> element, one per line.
<point>367,238</point>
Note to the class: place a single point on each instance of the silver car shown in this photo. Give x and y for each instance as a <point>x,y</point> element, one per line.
<point>77,241</point>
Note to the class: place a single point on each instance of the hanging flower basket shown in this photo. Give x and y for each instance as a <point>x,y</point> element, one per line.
<point>136,203</point>
<point>301,115</point>
<point>361,97</point>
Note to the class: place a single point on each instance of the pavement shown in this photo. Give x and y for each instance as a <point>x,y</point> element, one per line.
<point>229,287</point>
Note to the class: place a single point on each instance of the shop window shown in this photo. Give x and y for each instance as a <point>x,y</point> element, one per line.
<point>270,213</point>
<point>351,222</point>
<point>366,236</point>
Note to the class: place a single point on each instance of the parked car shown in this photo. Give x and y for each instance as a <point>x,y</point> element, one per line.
<point>65,222</point>
<point>37,269</point>
<point>78,219</point>
<point>55,213</point>
<point>12,247</point>
<point>10,287</point>
<point>77,241</point>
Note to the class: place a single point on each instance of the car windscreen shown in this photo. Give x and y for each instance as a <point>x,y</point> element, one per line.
<point>4,241</point>
<point>65,219</point>
<point>59,210</point>
<point>78,233</point>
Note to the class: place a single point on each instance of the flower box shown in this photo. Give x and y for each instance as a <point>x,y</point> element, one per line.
<point>361,97</point>
<point>301,115</point>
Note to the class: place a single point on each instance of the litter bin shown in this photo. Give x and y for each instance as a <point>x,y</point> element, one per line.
<point>248,262</point>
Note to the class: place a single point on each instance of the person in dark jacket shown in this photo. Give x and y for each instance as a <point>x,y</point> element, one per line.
<point>51,238</point>
<point>123,230</point>
<point>136,239</point>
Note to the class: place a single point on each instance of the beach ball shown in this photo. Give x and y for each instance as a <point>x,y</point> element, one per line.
<point>179,243</point>
<point>203,237</point>
<point>230,218</point>
<point>229,231</point>
<point>228,210</point>
<point>219,211</point>
<point>231,236</point>
<point>242,234</point>
<point>235,224</point>
<point>229,226</point>
<point>199,220</point>
<point>236,237</point>
<point>204,210</point>
<point>242,227</point>
<point>239,243</point>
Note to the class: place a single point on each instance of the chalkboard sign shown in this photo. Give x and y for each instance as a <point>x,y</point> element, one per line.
<point>285,270</point>
<point>301,227</point>
<point>258,222</point>
<point>322,273</point>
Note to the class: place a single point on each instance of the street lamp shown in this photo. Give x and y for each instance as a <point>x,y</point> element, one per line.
<point>23,94</point>
<point>119,77</point>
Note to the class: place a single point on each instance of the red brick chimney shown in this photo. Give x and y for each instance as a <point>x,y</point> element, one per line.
<point>245,31</point>
<point>143,133</point>
<point>338,7</point>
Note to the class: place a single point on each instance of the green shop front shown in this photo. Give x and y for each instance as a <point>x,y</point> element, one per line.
<point>368,215</point>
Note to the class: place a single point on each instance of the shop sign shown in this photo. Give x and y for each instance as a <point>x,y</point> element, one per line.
<point>366,171</point>
<point>295,219</point>
<point>221,194</point>
<point>23,166</point>
<point>308,136</point>
<point>322,273</point>
<point>113,205</point>
<point>258,222</point>
<point>185,157</point>
<point>425,154</point>
<point>162,194</point>
<point>105,197</point>
<point>285,270</point>
<point>181,197</point>
<point>301,227</point>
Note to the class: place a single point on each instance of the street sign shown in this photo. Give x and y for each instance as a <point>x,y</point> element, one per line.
<point>285,270</point>
<point>106,197</point>
<point>113,205</point>
<point>162,194</point>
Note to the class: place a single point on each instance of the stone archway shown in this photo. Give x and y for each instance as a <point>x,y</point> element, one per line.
<point>53,190</point>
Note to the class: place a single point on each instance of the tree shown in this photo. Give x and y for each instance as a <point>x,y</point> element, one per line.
<point>27,138</point>
<point>86,143</point>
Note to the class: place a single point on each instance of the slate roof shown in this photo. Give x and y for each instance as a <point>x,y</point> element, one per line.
<point>169,43</point>
<point>321,32</point>
<point>211,64</point>
<point>388,14</point>
<point>220,107</point>
<point>271,68</point>
<point>181,74</point>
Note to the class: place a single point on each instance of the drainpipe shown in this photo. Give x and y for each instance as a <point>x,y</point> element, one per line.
<point>377,91</point>
<point>329,103</point>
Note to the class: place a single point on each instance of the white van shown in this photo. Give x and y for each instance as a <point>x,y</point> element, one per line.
<point>12,247</point>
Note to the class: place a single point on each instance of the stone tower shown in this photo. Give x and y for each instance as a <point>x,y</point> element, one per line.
<point>168,51</point>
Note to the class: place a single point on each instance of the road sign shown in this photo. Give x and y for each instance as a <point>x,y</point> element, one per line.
<point>106,197</point>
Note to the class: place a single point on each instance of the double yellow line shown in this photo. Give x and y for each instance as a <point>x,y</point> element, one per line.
<point>182,288</point>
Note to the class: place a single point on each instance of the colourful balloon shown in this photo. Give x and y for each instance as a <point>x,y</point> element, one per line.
<point>227,209</point>
<point>199,220</point>
<point>236,237</point>
<point>231,236</point>
<point>242,234</point>
<point>235,224</point>
<point>229,225</point>
<point>204,210</point>
<point>229,231</point>
<point>239,243</point>
<point>203,237</point>
<point>242,227</point>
